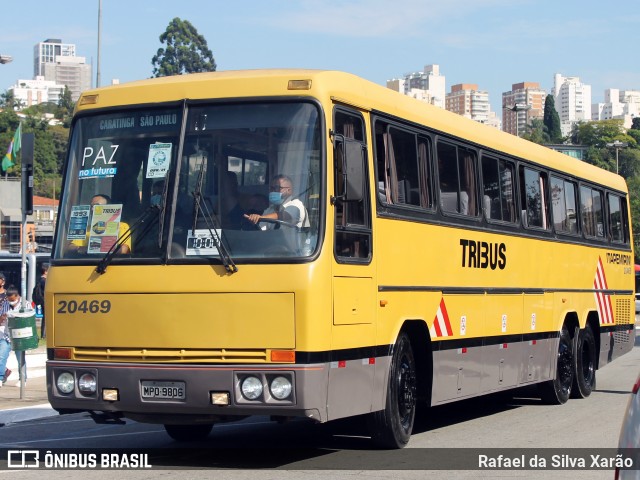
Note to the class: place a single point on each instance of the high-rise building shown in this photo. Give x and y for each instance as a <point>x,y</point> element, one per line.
<point>521,105</point>
<point>57,62</point>
<point>465,99</point>
<point>619,104</point>
<point>428,85</point>
<point>47,51</point>
<point>573,101</point>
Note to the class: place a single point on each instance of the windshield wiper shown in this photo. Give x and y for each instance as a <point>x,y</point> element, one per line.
<point>146,219</point>
<point>211,222</point>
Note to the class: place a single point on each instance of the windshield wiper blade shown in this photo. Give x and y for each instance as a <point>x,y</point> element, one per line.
<point>211,222</point>
<point>151,213</point>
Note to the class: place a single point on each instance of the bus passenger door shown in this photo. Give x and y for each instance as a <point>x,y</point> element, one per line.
<point>352,369</point>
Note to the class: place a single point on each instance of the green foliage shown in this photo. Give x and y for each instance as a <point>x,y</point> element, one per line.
<point>186,51</point>
<point>598,133</point>
<point>50,146</point>
<point>633,184</point>
<point>635,123</point>
<point>551,120</point>
<point>536,132</point>
<point>9,102</point>
<point>65,109</point>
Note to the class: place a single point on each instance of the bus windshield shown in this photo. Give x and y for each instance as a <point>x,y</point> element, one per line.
<point>193,184</point>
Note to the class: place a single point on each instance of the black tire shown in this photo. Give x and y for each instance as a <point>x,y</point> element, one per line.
<point>391,428</point>
<point>558,390</point>
<point>189,433</point>
<point>584,379</point>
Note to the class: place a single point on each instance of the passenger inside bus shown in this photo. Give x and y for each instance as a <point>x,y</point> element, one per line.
<point>79,246</point>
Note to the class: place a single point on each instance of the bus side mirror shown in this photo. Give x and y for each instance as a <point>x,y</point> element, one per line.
<point>349,157</point>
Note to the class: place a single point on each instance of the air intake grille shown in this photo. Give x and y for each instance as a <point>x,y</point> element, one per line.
<point>623,317</point>
<point>151,355</point>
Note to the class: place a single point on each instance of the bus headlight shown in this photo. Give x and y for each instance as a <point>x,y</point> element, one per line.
<point>65,382</point>
<point>280,388</point>
<point>251,388</point>
<point>87,384</point>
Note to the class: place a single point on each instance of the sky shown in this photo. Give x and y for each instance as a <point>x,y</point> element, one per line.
<point>491,43</point>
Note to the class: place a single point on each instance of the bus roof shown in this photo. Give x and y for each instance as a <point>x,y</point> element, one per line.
<point>342,87</point>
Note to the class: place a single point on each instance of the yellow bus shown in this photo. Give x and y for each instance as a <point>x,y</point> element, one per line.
<point>301,243</point>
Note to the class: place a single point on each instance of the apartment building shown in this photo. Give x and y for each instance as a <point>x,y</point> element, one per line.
<point>618,104</point>
<point>57,62</point>
<point>465,99</point>
<point>428,85</point>
<point>524,102</point>
<point>573,101</point>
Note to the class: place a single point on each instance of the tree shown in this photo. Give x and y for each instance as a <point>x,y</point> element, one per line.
<point>551,120</point>
<point>9,101</point>
<point>536,132</point>
<point>598,133</point>
<point>635,123</point>
<point>50,146</point>
<point>186,51</point>
<point>65,108</point>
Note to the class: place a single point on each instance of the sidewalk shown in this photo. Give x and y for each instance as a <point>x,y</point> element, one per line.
<point>34,403</point>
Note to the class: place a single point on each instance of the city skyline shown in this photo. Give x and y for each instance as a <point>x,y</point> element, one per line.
<point>491,43</point>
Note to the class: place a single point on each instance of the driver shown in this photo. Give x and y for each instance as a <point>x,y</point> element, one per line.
<point>282,206</point>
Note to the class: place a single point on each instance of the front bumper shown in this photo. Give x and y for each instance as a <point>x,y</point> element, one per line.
<point>308,397</point>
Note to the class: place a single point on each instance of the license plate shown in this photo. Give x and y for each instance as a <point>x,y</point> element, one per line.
<point>163,390</point>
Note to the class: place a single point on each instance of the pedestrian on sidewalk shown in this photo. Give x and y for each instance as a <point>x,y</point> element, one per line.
<point>38,296</point>
<point>15,304</point>
<point>5,340</point>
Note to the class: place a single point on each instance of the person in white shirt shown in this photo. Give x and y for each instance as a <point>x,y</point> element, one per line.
<point>15,302</point>
<point>283,206</point>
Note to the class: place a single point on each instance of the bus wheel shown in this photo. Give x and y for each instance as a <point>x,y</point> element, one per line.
<point>558,390</point>
<point>584,380</point>
<point>391,427</point>
<point>188,433</point>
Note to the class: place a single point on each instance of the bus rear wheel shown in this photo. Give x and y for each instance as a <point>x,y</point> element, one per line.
<point>558,390</point>
<point>392,427</point>
<point>584,380</point>
<point>189,433</point>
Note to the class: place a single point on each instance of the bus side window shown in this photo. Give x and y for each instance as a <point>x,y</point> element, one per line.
<point>457,176</point>
<point>498,192</point>
<point>618,219</point>
<point>534,198</point>
<point>591,212</point>
<point>563,201</point>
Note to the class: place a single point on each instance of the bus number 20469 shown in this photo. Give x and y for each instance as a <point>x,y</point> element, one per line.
<point>85,306</point>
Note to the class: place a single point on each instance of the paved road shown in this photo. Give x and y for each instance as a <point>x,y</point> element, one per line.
<point>298,448</point>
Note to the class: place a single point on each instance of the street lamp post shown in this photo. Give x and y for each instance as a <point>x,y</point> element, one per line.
<point>617,145</point>
<point>517,107</point>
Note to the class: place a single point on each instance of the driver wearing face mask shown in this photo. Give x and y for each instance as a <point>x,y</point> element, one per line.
<point>282,204</point>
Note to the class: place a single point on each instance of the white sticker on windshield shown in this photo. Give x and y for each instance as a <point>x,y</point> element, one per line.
<point>159,160</point>
<point>78,222</point>
<point>201,242</point>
